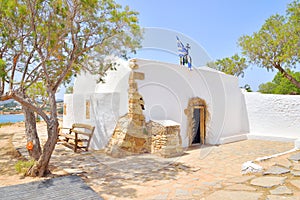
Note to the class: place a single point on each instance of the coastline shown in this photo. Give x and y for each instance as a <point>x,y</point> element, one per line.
<point>16,117</point>
<point>11,118</point>
<point>11,113</point>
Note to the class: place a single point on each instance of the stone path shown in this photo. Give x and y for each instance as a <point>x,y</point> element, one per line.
<point>62,188</point>
<point>209,172</point>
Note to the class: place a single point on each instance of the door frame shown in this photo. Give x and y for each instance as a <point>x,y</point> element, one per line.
<point>196,103</point>
<point>201,123</point>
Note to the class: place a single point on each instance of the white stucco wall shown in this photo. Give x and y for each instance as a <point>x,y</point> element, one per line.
<point>104,113</point>
<point>273,116</point>
<point>168,87</point>
<point>166,90</point>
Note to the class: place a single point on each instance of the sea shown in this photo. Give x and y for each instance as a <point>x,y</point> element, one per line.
<point>11,118</point>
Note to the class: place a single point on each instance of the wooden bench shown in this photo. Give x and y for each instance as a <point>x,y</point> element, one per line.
<point>79,135</point>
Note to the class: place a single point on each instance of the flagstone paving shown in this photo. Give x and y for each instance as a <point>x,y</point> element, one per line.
<point>281,190</point>
<point>267,181</point>
<point>295,157</point>
<point>275,170</point>
<point>209,172</point>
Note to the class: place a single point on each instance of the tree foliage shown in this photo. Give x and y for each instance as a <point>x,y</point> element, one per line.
<point>277,44</point>
<point>247,87</point>
<point>281,85</point>
<point>70,89</point>
<point>45,42</point>
<point>234,65</point>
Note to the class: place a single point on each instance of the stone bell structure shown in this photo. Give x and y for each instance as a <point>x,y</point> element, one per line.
<point>130,135</point>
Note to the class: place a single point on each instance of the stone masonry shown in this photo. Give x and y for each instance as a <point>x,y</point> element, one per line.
<point>130,135</point>
<point>166,140</point>
<point>133,136</point>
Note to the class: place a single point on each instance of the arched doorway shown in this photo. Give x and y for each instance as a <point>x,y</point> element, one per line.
<point>196,118</point>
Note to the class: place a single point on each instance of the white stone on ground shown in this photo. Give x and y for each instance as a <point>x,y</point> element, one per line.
<point>250,167</point>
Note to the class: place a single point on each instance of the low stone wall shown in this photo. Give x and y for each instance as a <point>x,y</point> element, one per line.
<point>165,138</point>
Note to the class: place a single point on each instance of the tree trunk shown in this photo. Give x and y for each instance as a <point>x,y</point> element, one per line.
<point>288,76</point>
<point>41,167</point>
<point>31,134</point>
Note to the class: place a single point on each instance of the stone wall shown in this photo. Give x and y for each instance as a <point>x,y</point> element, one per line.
<point>130,135</point>
<point>128,138</point>
<point>165,138</point>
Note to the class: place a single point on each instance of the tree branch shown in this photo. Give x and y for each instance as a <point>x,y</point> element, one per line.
<point>24,102</point>
<point>287,75</point>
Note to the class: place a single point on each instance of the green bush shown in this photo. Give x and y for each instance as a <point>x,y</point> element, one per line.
<point>23,166</point>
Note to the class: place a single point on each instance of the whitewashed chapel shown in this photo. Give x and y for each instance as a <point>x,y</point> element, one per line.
<point>207,105</point>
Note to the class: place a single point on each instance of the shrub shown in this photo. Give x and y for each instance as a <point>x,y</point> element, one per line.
<point>23,166</point>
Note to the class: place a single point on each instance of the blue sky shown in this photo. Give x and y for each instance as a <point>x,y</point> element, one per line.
<point>215,24</point>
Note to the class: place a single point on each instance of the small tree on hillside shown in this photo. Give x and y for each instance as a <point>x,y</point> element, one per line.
<point>277,44</point>
<point>48,41</point>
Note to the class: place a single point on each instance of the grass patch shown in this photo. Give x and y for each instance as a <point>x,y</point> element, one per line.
<point>23,166</point>
<point>6,124</point>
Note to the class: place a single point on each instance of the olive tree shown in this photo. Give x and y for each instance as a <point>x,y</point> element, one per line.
<point>277,44</point>
<point>47,41</point>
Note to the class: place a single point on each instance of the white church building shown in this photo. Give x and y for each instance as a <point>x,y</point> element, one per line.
<point>223,112</point>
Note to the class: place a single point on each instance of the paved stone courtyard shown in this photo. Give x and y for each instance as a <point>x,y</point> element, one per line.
<point>206,172</point>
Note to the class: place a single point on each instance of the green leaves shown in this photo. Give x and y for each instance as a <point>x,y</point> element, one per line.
<point>37,90</point>
<point>281,85</point>
<point>276,43</point>
<point>235,65</point>
<point>3,72</point>
<point>54,39</point>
